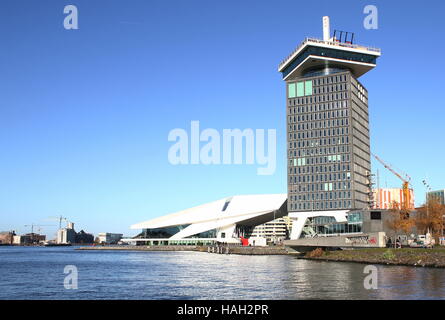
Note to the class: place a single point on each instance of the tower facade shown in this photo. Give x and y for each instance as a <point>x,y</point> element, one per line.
<point>328,145</point>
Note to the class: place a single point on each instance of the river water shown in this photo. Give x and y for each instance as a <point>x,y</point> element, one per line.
<point>38,273</point>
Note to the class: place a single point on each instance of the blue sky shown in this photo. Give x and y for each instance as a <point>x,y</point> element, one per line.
<point>85,114</point>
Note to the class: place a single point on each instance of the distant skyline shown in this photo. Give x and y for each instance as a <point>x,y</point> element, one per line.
<point>85,114</point>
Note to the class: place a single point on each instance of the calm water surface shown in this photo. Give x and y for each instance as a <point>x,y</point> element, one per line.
<point>37,273</point>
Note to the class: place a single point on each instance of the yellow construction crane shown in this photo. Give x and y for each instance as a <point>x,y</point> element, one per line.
<point>406,201</point>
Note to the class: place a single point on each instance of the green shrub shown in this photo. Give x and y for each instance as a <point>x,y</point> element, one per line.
<point>389,255</point>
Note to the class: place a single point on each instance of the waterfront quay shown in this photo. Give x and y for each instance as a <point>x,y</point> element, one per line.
<point>414,257</point>
<point>270,250</point>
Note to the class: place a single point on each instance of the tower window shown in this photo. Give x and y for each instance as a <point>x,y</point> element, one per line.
<point>300,89</point>
<point>291,90</point>
<point>308,88</point>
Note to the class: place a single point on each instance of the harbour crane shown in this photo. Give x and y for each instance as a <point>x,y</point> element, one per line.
<point>405,202</point>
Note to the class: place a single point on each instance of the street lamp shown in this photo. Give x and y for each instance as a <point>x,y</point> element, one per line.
<point>428,189</point>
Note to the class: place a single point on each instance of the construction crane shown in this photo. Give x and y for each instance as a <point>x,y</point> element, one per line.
<point>60,219</point>
<point>36,225</point>
<point>405,202</point>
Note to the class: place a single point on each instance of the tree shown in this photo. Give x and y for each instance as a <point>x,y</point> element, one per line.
<point>400,220</point>
<point>430,218</point>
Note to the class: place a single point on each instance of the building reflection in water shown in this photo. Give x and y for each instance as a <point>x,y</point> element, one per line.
<point>411,283</point>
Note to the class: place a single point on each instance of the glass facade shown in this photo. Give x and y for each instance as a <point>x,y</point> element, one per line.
<point>327,226</point>
<point>161,233</point>
<point>437,195</point>
<point>322,72</point>
<point>207,234</point>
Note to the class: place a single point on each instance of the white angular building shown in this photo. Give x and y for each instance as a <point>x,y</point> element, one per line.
<point>227,220</point>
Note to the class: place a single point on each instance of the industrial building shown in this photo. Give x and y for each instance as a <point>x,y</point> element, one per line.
<point>7,237</point>
<point>66,235</point>
<point>83,237</point>
<point>28,239</point>
<point>69,236</point>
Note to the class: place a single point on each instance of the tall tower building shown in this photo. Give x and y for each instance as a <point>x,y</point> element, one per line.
<point>328,147</point>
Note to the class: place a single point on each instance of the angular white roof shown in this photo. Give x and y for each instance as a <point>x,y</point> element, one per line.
<point>217,214</point>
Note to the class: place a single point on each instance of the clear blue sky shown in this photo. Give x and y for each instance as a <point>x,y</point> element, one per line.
<point>85,114</point>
